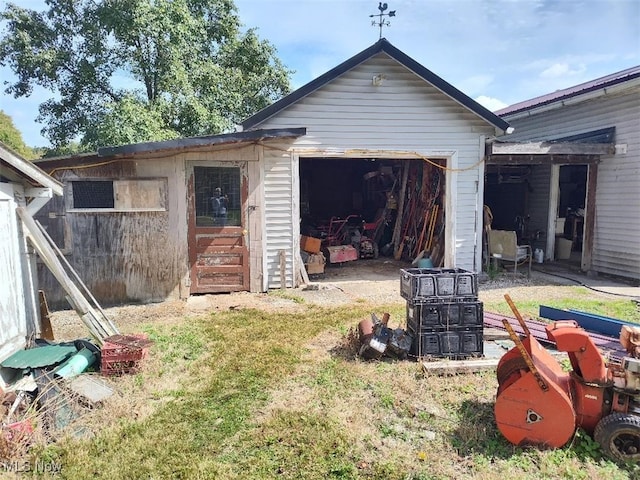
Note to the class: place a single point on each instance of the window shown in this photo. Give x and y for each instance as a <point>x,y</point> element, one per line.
<point>93,194</point>
<point>119,195</point>
<point>217,196</point>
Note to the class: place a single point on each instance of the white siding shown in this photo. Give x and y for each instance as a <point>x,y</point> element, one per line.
<point>281,218</point>
<point>13,321</point>
<point>617,217</point>
<point>404,114</point>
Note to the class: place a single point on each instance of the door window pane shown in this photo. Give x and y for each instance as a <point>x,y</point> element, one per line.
<point>217,196</point>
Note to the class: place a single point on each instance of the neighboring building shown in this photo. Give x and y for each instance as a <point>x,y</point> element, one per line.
<point>138,224</point>
<point>575,172</point>
<point>25,186</point>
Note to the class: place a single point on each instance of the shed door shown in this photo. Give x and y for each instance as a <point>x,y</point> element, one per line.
<point>218,253</point>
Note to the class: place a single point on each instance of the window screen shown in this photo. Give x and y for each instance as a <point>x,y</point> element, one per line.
<point>217,196</point>
<point>94,194</point>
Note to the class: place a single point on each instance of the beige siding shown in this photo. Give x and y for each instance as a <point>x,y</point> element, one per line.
<point>404,114</point>
<point>617,222</point>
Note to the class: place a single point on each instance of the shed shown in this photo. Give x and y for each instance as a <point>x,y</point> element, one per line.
<point>571,171</point>
<point>334,147</point>
<point>22,184</point>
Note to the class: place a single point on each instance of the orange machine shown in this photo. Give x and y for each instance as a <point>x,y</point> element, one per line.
<point>538,403</point>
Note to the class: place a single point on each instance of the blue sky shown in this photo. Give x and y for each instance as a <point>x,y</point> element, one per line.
<point>498,52</point>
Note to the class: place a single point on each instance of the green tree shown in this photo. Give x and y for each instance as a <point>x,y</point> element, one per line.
<point>12,138</point>
<point>127,71</point>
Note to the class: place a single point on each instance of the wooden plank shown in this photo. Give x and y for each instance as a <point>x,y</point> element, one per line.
<point>559,148</point>
<point>450,367</point>
<point>541,159</point>
<point>98,328</point>
<point>205,241</point>
<point>590,218</point>
<point>46,331</point>
<point>76,276</point>
<point>395,239</point>
<point>303,270</point>
<point>283,265</point>
<point>219,259</point>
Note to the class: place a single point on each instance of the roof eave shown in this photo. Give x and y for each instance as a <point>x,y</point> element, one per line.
<point>30,170</point>
<point>197,142</point>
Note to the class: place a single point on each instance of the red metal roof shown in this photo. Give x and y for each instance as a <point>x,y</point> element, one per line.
<point>598,83</point>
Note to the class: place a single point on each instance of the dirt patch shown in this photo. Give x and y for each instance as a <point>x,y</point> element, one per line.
<point>371,281</point>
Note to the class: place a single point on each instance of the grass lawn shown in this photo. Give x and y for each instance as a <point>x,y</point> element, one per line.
<point>250,394</point>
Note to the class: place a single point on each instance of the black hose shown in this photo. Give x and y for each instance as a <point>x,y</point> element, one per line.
<point>582,284</point>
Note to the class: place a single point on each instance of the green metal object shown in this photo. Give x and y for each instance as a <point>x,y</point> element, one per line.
<point>39,356</point>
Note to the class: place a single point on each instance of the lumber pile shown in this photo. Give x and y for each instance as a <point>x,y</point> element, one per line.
<point>419,225</point>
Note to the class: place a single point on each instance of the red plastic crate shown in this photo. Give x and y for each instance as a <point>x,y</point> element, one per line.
<point>123,354</point>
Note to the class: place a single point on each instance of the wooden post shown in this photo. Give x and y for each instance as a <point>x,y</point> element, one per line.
<point>283,266</point>
<point>46,331</point>
<point>303,270</point>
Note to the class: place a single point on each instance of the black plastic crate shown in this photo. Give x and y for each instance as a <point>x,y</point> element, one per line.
<point>454,343</point>
<point>432,285</point>
<point>444,315</point>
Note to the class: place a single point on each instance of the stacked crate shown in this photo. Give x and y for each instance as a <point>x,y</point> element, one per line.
<point>444,315</point>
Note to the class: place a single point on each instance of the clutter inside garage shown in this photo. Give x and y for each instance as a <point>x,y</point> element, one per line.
<point>362,208</point>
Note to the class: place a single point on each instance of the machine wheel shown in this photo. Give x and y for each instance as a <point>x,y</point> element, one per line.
<point>619,436</point>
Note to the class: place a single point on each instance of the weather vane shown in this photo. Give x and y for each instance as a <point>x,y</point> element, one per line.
<point>381,20</point>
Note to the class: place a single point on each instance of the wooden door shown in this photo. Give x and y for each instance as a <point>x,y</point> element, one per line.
<point>218,253</point>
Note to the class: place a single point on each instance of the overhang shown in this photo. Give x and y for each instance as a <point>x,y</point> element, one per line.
<point>14,166</point>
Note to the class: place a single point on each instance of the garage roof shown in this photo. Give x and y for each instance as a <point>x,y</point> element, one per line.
<point>601,83</point>
<point>172,145</point>
<point>381,45</point>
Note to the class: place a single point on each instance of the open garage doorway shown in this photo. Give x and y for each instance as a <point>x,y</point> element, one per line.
<point>383,208</point>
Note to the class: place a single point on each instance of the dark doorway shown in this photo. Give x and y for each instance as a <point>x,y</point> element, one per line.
<point>369,191</point>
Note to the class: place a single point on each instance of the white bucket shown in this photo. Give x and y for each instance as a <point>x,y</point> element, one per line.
<point>538,255</point>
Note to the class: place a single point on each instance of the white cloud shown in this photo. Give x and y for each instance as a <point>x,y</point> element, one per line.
<point>562,70</point>
<point>490,103</point>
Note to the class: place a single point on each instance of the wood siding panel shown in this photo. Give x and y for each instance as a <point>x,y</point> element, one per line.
<point>122,256</point>
<point>616,248</point>
<point>403,114</point>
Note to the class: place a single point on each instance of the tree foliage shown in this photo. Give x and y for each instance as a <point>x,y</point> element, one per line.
<point>127,71</point>
<point>12,138</point>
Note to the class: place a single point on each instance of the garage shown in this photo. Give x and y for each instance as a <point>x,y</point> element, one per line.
<point>387,139</point>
